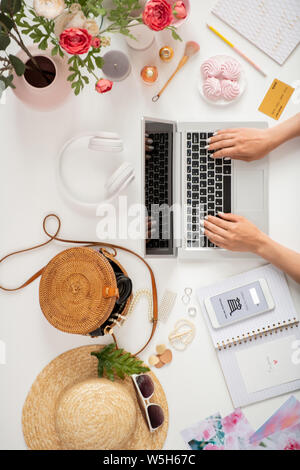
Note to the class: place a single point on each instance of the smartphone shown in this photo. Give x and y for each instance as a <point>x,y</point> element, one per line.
<point>240,303</point>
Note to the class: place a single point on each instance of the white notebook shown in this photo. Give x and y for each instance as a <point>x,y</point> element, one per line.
<point>271,25</point>
<point>256,353</point>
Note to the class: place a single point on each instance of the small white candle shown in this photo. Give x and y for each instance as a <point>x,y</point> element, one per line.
<point>116,66</point>
<point>144,37</point>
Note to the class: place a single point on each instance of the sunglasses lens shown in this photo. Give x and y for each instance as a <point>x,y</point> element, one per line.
<point>156,416</point>
<point>145,385</point>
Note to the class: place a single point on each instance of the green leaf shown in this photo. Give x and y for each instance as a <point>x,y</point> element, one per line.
<point>11,6</point>
<point>17,64</point>
<point>175,35</point>
<point>4,41</point>
<point>114,361</point>
<point>43,44</point>
<point>6,22</point>
<point>54,51</point>
<point>99,62</point>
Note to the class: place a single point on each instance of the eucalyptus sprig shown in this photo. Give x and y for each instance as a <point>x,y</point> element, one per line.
<point>114,362</point>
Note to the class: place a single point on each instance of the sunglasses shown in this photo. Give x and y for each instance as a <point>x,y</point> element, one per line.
<point>145,389</point>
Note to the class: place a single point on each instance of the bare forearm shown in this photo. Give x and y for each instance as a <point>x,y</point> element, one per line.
<point>285,259</point>
<point>285,131</point>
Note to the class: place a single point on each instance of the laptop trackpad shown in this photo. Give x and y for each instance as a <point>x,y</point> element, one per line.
<point>249,191</point>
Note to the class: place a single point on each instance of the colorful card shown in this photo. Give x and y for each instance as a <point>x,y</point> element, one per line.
<point>237,431</point>
<point>276,99</point>
<point>269,364</point>
<point>205,435</point>
<point>286,416</point>
<point>288,439</point>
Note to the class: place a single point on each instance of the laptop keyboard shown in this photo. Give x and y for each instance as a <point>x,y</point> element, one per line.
<point>208,187</point>
<point>157,192</point>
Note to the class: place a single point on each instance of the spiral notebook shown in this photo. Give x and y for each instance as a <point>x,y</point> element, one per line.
<point>271,25</point>
<point>256,353</point>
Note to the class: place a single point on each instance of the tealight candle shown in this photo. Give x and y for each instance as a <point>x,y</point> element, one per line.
<point>166,53</point>
<point>116,66</point>
<point>144,36</point>
<point>149,74</point>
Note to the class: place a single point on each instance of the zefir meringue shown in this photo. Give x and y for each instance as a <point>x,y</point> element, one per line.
<point>210,68</point>
<point>231,70</point>
<point>212,88</point>
<point>230,89</point>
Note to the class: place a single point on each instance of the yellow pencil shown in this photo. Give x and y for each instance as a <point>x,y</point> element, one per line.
<point>237,50</point>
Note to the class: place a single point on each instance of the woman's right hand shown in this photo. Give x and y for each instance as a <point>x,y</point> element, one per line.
<point>241,144</point>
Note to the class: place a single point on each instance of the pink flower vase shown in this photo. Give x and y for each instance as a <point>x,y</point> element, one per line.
<point>46,94</point>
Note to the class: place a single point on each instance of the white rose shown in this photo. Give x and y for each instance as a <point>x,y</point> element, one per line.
<point>69,20</point>
<point>92,27</point>
<point>49,8</point>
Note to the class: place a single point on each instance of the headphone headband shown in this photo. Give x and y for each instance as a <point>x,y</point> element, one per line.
<point>119,180</point>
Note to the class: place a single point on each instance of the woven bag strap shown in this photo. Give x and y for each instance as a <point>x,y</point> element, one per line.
<point>54,236</point>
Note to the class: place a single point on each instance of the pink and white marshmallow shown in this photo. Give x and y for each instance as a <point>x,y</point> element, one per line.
<point>212,88</point>
<point>231,70</point>
<point>230,89</point>
<point>210,68</point>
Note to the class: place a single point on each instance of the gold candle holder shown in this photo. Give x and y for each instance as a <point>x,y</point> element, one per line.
<point>166,53</point>
<point>149,74</point>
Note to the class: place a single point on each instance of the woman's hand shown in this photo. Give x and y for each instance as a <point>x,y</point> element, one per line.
<point>241,144</point>
<point>148,146</point>
<point>233,233</point>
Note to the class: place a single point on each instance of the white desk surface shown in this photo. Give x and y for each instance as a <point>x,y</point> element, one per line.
<point>30,140</point>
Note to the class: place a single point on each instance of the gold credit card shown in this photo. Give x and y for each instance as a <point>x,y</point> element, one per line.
<point>276,99</point>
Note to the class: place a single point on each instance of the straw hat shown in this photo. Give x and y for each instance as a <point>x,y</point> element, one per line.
<point>78,290</point>
<point>69,407</point>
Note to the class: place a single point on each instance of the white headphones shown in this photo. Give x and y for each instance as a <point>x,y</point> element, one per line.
<point>118,181</point>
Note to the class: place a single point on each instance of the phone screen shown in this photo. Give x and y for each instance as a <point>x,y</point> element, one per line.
<point>239,303</point>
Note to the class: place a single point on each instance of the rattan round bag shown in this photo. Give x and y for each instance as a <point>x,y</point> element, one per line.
<point>79,290</point>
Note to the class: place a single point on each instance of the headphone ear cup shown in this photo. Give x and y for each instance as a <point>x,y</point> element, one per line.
<point>120,179</point>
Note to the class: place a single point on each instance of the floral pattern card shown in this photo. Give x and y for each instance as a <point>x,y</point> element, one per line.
<point>205,435</point>
<point>238,431</point>
<point>286,416</point>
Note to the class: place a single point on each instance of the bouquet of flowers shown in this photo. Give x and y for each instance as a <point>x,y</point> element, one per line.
<point>71,27</point>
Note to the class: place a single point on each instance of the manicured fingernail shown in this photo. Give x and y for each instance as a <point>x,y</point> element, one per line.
<point>149,141</point>
<point>201,230</point>
<point>206,217</point>
<point>206,146</point>
<point>208,140</point>
<point>201,223</point>
<point>150,147</point>
<point>227,158</point>
<point>221,213</point>
<point>215,133</point>
<point>148,156</point>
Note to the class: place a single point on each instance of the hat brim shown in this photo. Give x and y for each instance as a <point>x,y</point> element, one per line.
<point>71,367</point>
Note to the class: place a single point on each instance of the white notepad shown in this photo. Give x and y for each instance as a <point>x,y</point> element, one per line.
<point>250,337</point>
<point>271,25</point>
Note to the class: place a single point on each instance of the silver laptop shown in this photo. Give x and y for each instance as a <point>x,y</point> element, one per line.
<point>182,184</point>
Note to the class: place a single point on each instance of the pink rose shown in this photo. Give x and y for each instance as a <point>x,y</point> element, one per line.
<point>158,14</point>
<point>75,41</point>
<point>103,85</point>
<point>179,10</point>
<point>96,42</point>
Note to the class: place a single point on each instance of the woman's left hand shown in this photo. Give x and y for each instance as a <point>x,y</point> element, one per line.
<point>233,232</point>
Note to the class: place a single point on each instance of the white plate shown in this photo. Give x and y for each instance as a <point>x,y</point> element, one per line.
<point>241,81</point>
